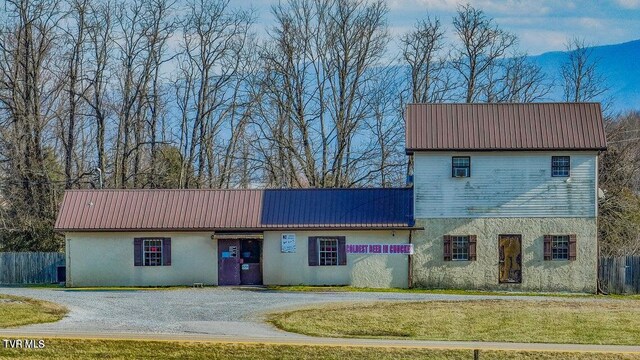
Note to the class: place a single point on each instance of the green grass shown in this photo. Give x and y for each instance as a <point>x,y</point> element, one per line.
<point>16,311</point>
<point>580,322</point>
<point>126,349</point>
<point>305,288</point>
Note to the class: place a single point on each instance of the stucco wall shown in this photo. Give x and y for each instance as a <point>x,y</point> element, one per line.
<point>431,271</point>
<point>361,270</point>
<point>106,259</point>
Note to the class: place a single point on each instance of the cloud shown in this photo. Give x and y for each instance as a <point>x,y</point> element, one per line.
<point>629,4</point>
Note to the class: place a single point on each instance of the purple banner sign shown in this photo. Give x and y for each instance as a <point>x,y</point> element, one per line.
<point>380,249</point>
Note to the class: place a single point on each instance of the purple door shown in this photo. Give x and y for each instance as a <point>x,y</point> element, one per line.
<point>251,269</point>
<point>229,262</point>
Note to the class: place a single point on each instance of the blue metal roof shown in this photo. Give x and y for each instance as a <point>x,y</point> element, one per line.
<point>379,207</point>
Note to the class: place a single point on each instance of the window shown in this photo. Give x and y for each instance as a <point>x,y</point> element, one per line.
<point>460,166</point>
<point>152,252</point>
<point>460,247</point>
<point>152,249</point>
<point>560,247</point>
<point>560,166</point>
<point>328,252</point>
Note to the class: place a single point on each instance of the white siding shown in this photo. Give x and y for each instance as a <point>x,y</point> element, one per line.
<point>504,184</point>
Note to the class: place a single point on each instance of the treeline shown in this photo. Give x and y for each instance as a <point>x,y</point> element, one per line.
<point>184,94</point>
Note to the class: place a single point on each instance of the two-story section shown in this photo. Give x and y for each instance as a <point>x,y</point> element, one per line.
<point>507,195</point>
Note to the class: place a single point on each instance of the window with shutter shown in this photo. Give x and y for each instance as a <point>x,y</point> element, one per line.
<point>152,251</point>
<point>559,247</point>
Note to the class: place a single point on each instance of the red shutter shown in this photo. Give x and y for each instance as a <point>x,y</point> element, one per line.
<point>137,252</point>
<point>572,247</point>
<point>313,251</point>
<point>166,251</point>
<point>472,247</point>
<point>547,247</point>
<point>447,248</point>
<point>342,250</point>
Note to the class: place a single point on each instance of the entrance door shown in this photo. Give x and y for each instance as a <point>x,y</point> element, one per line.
<point>510,264</point>
<point>239,262</point>
<point>250,269</point>
<point>228,262</point>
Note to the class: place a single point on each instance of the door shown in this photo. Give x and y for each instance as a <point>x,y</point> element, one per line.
<point>510,262</point>
<point>229,262</point>
<point>250,268</point>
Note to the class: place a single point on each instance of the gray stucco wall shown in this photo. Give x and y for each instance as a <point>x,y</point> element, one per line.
<point>106,259</point>
<point>380,271</point>
<point>431,271</point>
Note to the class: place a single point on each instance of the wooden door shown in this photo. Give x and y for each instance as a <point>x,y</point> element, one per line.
<point>229,262</point>
<point>510,262</point>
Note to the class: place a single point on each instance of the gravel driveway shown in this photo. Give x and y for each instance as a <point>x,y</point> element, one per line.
<point>215,311</point>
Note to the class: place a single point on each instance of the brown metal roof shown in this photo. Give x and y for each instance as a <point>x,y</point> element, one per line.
<point>234,210</point>
<point>531,126</point>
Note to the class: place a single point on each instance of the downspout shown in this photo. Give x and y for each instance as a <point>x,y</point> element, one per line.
<point>410,263</point>
<point>67,263</point>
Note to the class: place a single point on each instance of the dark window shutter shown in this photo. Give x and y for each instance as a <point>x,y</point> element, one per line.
<point>547,247</point>
<point>313,251</point>
<point>572,247</point>
<point>472,247</point>
<point>166,252</point>
<point>342,250</point>
<point>447,248</point>
<point>137,252</point>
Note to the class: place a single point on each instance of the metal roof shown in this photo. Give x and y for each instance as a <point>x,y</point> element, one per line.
<point>500,126</point>
<point>234,210</point>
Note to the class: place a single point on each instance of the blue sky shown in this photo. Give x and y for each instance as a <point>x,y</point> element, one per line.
<point>540,25</point>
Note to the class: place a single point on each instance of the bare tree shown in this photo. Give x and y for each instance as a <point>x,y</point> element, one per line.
<point>322,57</point>
<point>582,81</point>
<point>214,40</point>
<point>482,44</point>
<point>429,78</point>
<point>28,100</point>
<point>515,79</point>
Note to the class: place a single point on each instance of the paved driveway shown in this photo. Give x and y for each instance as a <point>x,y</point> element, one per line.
<point>215,311</point>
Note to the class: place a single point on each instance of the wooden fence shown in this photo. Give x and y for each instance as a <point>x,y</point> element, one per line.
<point>619,275</point>
<point>30,267</point>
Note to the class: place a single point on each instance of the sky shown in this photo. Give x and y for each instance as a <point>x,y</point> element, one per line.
<point>541,25</point>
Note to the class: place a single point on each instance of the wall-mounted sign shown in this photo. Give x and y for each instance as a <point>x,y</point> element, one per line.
<point>383,249</point>
<point>288,243</point>
<point>245,266</point>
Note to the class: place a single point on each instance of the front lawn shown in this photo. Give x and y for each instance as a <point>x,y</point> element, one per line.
<point>127,349</point>
<point>579,322</point>
<point>311,288</point>
<point>17,310</point>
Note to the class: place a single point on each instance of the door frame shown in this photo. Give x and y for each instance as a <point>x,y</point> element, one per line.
<point>519,236</point>
<point>240,240</point>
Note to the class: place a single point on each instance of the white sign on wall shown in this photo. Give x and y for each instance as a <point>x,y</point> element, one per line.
<point>288,243</point>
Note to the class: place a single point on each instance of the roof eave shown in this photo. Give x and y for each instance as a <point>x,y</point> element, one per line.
<point>410,151</point>
<point>262,229</point>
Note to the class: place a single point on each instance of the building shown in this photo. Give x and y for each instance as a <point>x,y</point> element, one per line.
<point>234,237</point>
<point>504,196</point>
